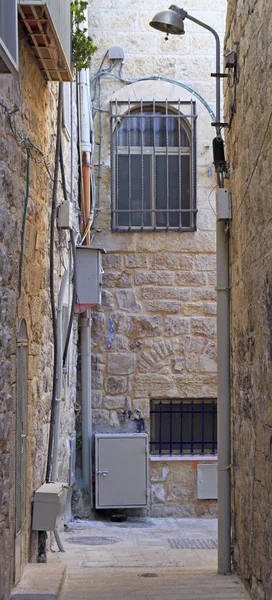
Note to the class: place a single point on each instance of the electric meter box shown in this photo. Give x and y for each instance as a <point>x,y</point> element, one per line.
<point>89,277</point>
<point>207,482</point>
<point>121,470</point>
<point>49,504</point>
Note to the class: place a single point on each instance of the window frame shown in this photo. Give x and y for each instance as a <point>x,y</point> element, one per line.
<point>135,108</point>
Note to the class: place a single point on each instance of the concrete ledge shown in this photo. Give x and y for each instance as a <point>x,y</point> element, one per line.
<point>40,582</point>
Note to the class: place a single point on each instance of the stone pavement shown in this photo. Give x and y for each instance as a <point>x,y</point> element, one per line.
<point>149,558</point>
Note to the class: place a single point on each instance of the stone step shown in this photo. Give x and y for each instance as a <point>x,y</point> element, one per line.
<point>40,582</point>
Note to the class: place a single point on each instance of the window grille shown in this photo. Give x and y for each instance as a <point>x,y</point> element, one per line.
<point>153,165</point>
<point>183,427</point>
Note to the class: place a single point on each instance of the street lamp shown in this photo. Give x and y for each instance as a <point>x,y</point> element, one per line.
<point>171,21</point>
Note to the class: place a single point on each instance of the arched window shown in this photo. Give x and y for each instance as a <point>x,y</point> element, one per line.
<point>153,166</point>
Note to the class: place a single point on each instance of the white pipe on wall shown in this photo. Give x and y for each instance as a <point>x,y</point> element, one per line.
<point>59,375</point>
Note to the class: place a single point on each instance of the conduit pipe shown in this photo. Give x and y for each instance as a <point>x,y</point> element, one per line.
<point>86,424</point>
<point>89,206</point>
<point>63,287</point>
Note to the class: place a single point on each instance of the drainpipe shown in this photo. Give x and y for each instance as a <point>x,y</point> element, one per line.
<point>86,426</point>
<point>85,151</point>
<point>59,375</point>
<point>223,374</point>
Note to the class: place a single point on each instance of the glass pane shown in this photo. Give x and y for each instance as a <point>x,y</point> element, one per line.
<point>146,129</point>
<point>131,195</point>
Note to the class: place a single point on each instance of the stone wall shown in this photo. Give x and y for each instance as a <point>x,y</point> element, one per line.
<point>249,153</point>
<point>36,118</point>
<point>155,335</point>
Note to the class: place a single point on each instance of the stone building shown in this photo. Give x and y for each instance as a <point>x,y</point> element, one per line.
<point>248,110</point>
<point>28,125</point>
<point>154,339</point>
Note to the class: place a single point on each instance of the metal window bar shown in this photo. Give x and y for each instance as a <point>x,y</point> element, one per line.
<point>142,166</point>
<point>121,113</point>
<point>202,413</point>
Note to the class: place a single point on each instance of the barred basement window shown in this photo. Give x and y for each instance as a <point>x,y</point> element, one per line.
<point>183,426</point>
<point>153,166</point>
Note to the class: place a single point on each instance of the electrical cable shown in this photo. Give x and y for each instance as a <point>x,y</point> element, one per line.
<point>52,298</point>
<point>24,224</point>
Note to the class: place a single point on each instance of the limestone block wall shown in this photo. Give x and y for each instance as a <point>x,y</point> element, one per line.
<point>249,152</point>
<point>155,334</point>
<point>35,118</point>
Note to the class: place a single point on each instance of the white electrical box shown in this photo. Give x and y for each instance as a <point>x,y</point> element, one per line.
<point>223,204</point>
<point>207,482</point>
<point>121,470</point>
<point>89,277</point>
<point>65,216</point>
<point>49,504</point>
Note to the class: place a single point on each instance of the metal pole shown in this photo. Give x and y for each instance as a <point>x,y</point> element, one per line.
<point>223,375</point>
<point>86,399</point>
<point>223,360</point>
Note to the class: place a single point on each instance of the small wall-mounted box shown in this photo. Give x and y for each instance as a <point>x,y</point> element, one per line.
<point>223,204</point>
<point>64,215</point>
<point>207,482</point>
<point>49,504</point>
<point>89,277</point>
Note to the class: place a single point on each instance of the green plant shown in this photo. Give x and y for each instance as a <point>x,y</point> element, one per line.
<point>82,44</point>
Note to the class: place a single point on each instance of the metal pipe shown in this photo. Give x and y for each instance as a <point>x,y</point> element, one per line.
<point>223,374</point>
<point>223,358</point>
<point>59,375</point>
<point>86,399</point>
<point>217,61</point>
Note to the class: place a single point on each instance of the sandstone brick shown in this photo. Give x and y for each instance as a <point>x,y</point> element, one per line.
<point>107,299</point>
<point>112,261</point>
<point>115,384</point>
<point>192,308</point>
<point>178,364</point>
<point>127,301</point>
<point>121,363</point>
<point>115,342</point>
<point>176,326</point>
<point>206,262</point>
<point>122,279</point>
<point>210,308</point>
<point>203,325</point>
<point>163,293</point>
<point>191,278</point>
<point>119,321</point>
<point>168,306</point>
<point>153,277</point>
<point>144,326</point>
<point>136,261</point>
<point>177,261</point>
<point>203,294</point>
<point>152,384</point>
<point>96,398</point>
<point>112,402</point>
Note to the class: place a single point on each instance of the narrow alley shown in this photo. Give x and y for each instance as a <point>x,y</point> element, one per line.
<point>149,558</point>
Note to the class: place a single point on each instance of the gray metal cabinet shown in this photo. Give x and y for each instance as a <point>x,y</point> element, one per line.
<point>121,470</point>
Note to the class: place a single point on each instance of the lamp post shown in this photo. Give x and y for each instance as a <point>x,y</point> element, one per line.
<point>171,21</point>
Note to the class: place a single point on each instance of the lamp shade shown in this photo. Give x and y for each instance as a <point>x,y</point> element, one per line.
<point>168,21</point>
